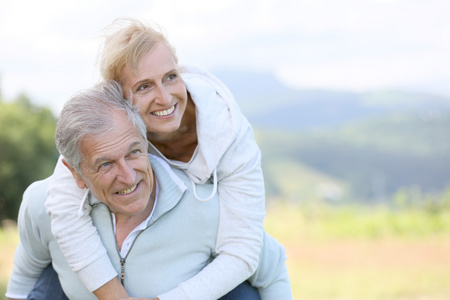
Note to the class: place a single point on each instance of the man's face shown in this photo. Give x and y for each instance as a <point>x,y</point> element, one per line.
<point>117,170</point>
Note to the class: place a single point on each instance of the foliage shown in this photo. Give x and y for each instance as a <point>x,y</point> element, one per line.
<point>371,159</point>
<point>27,150</point>
<point>412,215</point>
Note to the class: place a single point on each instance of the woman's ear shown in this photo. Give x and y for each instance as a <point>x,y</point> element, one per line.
<point>78,178</point>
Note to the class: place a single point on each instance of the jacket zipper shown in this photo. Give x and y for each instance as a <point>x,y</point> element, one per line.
<point>122,260</point>
<point>122,270</point>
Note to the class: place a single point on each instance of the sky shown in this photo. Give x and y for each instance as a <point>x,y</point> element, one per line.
<point>48,48</point>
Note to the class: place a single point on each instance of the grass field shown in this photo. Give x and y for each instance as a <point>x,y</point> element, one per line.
<point>346,253</point>
<point>364,254</point>
<point>8,242</point>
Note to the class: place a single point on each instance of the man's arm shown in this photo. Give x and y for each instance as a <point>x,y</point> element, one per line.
<point>272,277</point>
<point>32,255</point>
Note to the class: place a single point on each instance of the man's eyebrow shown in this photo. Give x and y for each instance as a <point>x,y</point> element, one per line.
<point>134,144</point>
<point>101,160</point>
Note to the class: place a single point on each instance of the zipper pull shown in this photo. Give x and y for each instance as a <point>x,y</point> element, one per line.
<point>122,270</point>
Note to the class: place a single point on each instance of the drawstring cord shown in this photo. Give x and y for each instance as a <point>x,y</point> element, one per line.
<point>84,205</point>
<point>213,192</point>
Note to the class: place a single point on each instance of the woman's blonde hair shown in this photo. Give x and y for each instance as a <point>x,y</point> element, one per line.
<point>127,40</point>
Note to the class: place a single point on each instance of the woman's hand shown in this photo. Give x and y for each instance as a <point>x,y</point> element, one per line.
<point>134,298</point>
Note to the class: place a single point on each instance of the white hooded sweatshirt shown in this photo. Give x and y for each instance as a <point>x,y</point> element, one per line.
<point>227,154</point>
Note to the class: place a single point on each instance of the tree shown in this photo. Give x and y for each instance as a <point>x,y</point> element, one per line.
<point>27,150</point>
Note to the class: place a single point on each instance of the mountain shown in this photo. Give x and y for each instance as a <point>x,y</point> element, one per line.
<point>365,161</point>
<point>343,145</point>
<point>269,104</point>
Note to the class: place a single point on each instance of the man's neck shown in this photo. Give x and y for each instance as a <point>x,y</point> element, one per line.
<point>125,224</point>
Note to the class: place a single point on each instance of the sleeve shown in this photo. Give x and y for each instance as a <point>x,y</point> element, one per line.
<point>242,200</point>
<point>272,277</point>
<point>74,231</point>
<point>241,225</point>
<point>222,275</point>
<point>32,254</point>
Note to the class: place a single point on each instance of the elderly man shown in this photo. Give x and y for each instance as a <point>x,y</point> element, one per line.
<point>156,233</point>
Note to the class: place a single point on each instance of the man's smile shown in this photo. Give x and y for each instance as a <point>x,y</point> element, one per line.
<point>127,191</point>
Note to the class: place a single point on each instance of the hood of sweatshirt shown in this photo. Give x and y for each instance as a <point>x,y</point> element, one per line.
<point>218,120</point>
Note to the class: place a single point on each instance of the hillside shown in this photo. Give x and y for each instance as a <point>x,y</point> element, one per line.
<point>342,146</point>
<point>370,160</point>
<point>270,105</point>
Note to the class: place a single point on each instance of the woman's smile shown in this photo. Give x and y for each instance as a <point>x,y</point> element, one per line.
<point>164,113</point>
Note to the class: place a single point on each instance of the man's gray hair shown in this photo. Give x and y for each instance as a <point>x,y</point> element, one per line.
<point>90,113</point>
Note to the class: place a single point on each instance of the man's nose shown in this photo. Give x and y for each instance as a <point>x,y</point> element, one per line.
<point>126,173</point>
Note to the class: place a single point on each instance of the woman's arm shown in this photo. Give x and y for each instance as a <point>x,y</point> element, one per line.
<point>112,290</point>
<point>241,225</point>
<point>72,227</point>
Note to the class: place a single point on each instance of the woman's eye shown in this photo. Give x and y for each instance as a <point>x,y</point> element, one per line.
<point>172,77</point>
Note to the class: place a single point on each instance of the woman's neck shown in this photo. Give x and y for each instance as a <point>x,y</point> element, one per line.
<point>181,143</point>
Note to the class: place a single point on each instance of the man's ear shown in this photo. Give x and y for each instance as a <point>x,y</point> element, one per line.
<point>79,180</point>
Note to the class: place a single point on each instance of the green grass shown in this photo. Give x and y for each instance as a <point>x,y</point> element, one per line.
<point>348,252</point>
<point>365,253</point>
<point>9,239</point>
<point>316,220</point>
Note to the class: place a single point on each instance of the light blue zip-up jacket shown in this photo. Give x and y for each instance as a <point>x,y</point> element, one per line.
<point>179,242</point>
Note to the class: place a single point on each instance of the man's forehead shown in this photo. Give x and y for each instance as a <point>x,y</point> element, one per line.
<point>109,147</point>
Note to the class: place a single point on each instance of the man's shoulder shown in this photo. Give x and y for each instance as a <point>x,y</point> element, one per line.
<point>165,171</point>
<point>34,197</point>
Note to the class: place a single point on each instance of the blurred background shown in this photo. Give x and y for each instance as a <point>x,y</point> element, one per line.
<point>349,100</point>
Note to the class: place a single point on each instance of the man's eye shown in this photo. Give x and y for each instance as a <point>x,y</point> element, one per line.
<point>143,87</point>
<point>105,165</point>
<point>135,151</point>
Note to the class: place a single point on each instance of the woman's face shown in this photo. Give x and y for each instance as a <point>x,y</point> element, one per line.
<point>158,90</point>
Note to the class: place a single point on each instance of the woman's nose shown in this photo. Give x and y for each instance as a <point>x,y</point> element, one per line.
<point>162,96</point>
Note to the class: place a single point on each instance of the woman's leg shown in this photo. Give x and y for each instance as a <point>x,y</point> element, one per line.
<point>47,286</point>
<point>244,291</point>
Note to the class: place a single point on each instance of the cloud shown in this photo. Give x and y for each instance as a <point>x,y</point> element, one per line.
<point>49,47</point>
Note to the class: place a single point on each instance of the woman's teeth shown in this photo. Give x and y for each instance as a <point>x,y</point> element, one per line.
<point>163,113</point>
<point>127,191</point>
